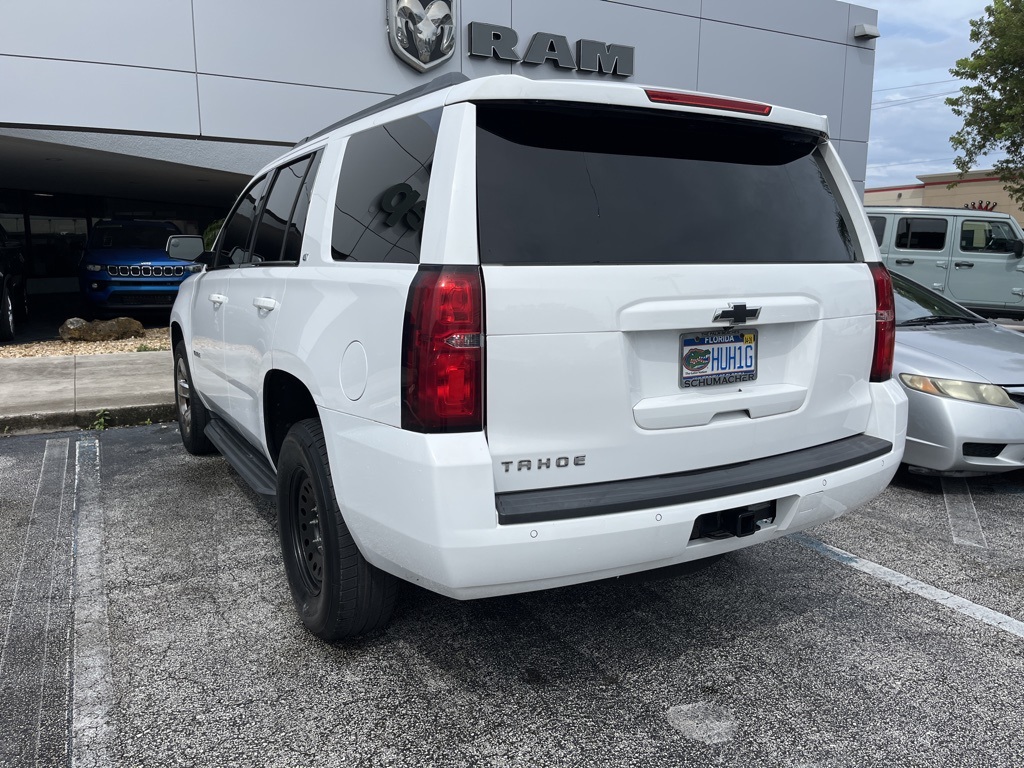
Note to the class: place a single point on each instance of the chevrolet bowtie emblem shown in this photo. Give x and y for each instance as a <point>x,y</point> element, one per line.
<point>737,314</point>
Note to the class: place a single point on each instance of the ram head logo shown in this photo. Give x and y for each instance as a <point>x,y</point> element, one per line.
<point>422,34</point>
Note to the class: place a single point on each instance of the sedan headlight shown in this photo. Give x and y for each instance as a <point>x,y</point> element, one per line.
<point>987,394</point>
<point>93,267</point>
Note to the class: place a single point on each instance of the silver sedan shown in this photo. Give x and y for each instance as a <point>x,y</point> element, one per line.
<point>964,378</point>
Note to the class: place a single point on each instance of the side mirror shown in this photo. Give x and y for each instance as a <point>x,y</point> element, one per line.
<point>188,248</point>
<point>1018,248</point>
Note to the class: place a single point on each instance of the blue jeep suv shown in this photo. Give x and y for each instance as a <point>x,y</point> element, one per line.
<point>125,266</point>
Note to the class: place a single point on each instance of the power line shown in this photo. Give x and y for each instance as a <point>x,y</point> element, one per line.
<point>909,100</point>
<point>914,162</point>
<point>914,85</point>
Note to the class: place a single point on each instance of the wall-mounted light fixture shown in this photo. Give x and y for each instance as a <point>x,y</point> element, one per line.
<point>866,32</point>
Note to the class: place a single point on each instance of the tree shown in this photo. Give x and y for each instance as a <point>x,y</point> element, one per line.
<point>992,105</point>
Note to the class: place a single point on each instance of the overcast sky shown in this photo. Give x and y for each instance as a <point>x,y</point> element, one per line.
<point>910,125</point>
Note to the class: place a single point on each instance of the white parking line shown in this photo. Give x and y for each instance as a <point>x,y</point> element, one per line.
<point>32,642</point>
<point>91,729</point>
<point>919,588</point>
<point>963,516</point>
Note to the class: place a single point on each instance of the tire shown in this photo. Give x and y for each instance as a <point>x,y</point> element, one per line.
<point>6,316</point>
<point>192,414</point>
<point>337,593</point>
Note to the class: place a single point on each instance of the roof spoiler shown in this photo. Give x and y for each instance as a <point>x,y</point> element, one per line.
<point>437,84</point>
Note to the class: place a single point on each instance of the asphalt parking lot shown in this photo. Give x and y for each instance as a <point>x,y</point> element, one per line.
<point>146,622</point>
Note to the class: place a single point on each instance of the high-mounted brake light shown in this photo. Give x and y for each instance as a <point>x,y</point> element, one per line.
<point>885,323</point>
<point>442,355</point>
<point>709,102</point>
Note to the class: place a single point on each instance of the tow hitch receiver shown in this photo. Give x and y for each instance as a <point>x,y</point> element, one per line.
<point>738,521</point>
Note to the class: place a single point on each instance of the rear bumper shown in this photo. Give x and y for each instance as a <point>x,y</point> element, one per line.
<point>424,508</point>
<point>687,487</point>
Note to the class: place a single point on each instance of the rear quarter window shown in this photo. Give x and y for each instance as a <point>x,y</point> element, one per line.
<point>382,191</point>
<point>575,184</point>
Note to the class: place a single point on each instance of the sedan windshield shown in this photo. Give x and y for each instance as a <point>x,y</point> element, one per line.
<point>917,305</point>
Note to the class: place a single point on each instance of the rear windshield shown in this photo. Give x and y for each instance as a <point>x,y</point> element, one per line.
<point>574,184</point>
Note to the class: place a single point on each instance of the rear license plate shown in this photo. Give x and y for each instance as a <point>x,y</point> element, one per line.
<point>708,358</point>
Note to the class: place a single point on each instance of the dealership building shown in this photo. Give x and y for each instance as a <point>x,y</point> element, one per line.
<point>164,110</point>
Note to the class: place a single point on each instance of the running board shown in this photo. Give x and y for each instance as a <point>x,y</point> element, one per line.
<point>243,457</point>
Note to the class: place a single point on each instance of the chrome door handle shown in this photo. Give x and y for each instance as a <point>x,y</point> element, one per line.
<point>963,264</point>
<point>941,265</point>
<point>265,302</point>
<point>218,298</point>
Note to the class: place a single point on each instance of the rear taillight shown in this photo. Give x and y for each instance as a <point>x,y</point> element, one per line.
<point>885,323</point>
<point>442,356</point>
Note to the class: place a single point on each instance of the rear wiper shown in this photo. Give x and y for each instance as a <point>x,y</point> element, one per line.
<point>936,319</point>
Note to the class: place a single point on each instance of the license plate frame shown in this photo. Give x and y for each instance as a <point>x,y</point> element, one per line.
<point>715,356</point>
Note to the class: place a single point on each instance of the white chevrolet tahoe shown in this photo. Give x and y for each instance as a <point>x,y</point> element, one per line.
<point>502,335</point>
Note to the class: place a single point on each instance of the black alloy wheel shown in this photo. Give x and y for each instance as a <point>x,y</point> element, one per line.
<point>306,540</point>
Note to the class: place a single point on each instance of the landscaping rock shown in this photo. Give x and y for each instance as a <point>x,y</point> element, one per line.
<point>77,329</point>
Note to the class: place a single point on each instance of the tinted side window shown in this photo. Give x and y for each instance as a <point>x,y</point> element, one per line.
<point>878,226</point>
<point>382,191</point>
<point>992,236</point>
<point>921,234</point>
<point>297,224</point>
<point>233,247</point>
<point>278,212</point>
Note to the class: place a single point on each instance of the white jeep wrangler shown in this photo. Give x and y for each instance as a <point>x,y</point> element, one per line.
<point>502,335</point>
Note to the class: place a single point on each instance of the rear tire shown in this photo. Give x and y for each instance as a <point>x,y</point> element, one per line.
<point>6,317</point>
<point>337,593</point>
<point>192,414</point>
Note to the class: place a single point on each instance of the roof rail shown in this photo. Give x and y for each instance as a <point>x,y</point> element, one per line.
<point>437,84</point>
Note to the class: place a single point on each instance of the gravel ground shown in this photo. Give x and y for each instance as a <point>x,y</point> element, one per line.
<point>154,340</point>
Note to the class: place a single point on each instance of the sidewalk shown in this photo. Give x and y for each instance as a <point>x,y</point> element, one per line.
<point>42,394</point>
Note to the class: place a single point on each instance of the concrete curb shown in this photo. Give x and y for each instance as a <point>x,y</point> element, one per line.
<point>126,416</point>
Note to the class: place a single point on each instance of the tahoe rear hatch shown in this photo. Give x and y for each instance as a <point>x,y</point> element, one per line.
<point>665,291</point>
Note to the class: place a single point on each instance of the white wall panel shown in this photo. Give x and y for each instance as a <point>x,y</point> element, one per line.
<point>666,44</point>
<point>331,44</point>
<point>767,66</point>
<point>259,111</point>
<point>859,80</point>
<point>855,157</point>
<point>65,93</point>
<point>685,7</point>
<point>141,34</point>
<point>258,70</point>
<point>819,19</point>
